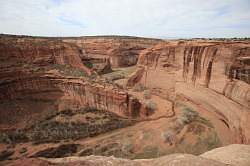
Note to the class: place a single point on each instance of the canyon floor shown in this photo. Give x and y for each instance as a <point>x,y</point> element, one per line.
<point>142,101</point>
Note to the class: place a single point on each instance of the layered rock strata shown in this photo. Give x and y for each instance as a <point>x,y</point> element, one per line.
<point>198,72</point>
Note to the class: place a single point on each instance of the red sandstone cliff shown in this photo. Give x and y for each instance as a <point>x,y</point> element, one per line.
<point>123,51</point>
<point>207,74</point>
<point>40,75</point>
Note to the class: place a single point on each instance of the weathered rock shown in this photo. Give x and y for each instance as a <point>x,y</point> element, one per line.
<point>19,55</point>
<point>123,51</point>
<point>237,155</point>
<point>49,75</point>
<point>72,94</point>
<point>232,155</point>
<point>170,160</point>
<point>238,91</point>
<point>135,77</point>
<point>202,71</point>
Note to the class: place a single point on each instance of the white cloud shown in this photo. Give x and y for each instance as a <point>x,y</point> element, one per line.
<point>161,18</point>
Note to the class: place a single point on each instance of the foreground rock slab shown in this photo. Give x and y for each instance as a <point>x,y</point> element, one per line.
<point>171,160</point>
<point>232,155</point>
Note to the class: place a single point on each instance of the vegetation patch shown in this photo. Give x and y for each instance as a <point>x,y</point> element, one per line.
<point>150,106</point>
<point>88,64</point>
<point>120,73</point>
<point>169,136</point>
<point>69,71</point>
<point>50,129</point>
<point>147,153</point>
<point>139,88</point>
<point>203,144</point>
<point>147,94</point>
<point>188,115</point>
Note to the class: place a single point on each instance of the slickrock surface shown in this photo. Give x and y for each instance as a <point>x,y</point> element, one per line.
<point>232,155</point>
<point>171,160</point>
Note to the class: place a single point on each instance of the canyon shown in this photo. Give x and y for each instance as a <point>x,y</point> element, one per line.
<point>127,97</point>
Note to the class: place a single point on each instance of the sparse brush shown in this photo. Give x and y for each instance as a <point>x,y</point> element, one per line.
<point>168,136</point>
<point>150,106</point>
<point>139,88</point>
<point>88,64</point>
<point>147,94</point>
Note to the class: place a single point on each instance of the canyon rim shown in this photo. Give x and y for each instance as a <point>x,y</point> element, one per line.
<point>73,92</point>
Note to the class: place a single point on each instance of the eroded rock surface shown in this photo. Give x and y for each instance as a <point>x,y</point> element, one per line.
<point>233,155</point>
<point>198,71</point>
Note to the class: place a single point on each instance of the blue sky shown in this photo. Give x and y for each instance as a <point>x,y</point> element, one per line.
<point>148,18</point>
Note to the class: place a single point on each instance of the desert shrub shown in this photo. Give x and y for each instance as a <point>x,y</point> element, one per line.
<point>4,138</point>
<point>148,152</point>
<point>204,121</point>
<point>205,143</point>
<point>213,141</point>
<point>150,106</point>
<point>67,112</point>
<point>69,71</point>
<point>127,148</point>
<point>147,94</point>
<point>168,136</point>
<point>146,135</point>
<point>187,116</point>
<point>18,136</point>
<point>182,120</point>
<point>23,150</point>
<point>190,114</point>
<point>88,64</point>
<point>139,88</point>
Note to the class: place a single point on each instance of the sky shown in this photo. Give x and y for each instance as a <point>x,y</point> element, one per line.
<point>146,18</point>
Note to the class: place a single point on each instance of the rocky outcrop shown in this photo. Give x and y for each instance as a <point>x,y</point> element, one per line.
<point>122,51</point>
<point>232,155</point>
<point>69,93</point>
<point>195,59</point>
<point>198,71</point>
<point>50,75</point>
<point>238,91</point>
<point>171,160</point>
<point>199,60</point>
<point>195,54</point>
<point>240,66</point>
<point>18,54</point>
<point>104,67</point>
<point>135,77</point>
